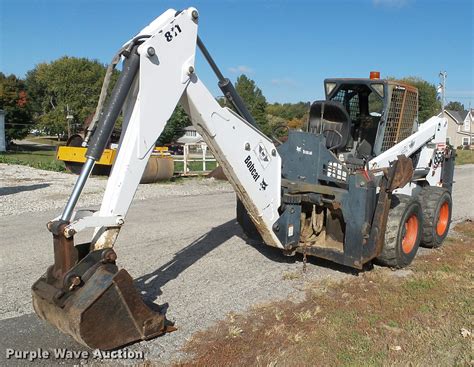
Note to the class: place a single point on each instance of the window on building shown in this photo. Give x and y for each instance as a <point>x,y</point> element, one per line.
<point>467,122</point>
<point>465,141</point>
<point>448,140</point>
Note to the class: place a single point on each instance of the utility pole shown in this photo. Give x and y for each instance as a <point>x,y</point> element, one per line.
<point>442,89</point>
<point>69,118</point>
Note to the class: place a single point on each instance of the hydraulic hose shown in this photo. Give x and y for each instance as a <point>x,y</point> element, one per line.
<point>108,118</point>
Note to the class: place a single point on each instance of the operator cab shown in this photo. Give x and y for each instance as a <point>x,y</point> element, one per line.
<point>361,118</point>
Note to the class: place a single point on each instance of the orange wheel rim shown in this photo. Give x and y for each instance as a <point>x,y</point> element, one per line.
<point>411,234</point>
<point>443,219</point>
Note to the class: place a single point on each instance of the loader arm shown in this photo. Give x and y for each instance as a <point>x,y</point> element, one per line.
<point>430,141</point>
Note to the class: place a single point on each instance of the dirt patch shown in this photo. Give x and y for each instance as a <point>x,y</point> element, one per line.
<point>423,316</point>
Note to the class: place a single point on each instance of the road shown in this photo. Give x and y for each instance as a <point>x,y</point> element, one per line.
<point>185,252</point>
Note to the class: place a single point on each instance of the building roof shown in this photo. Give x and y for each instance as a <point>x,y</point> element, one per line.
<point>190,136</point>
<point>458,116</point>
<point>190,139</point>
<point>463,114</point>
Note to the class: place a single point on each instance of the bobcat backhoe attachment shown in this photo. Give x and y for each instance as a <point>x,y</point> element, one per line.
<point>83,293</point>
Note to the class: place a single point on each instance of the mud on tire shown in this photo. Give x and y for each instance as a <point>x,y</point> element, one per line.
<point>403,232</point>
<point>437,207</point>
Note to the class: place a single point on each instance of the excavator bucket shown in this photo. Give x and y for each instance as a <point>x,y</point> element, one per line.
<point>85,295</point>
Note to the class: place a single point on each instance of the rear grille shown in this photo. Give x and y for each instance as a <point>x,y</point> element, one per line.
<point>401,115</point>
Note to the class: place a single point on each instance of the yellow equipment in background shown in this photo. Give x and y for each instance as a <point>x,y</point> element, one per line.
<point>77,154</point>
<point>159,167</point>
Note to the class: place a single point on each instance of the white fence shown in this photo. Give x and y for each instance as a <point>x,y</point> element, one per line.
<point>194,153</point>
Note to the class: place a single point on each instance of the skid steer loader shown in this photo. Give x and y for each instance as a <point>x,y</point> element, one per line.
<point>364,182</point>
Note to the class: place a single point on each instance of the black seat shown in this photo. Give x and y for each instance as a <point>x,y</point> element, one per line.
<point>331,119</point>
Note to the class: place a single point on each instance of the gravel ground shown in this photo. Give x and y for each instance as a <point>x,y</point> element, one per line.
<point>24,189</point>
<point>184,250</point>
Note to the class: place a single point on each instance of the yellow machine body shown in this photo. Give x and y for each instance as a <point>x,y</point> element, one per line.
<point>78,155</point>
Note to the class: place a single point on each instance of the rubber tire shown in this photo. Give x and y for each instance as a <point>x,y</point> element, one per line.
<point>431,199</point>
<point>402,208</point>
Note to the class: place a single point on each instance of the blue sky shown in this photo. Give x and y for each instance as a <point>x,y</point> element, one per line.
<point>287,47</point>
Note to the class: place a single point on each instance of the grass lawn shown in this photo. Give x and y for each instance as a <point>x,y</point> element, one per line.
<point>464,156</point>
<point>42,159</point>
<point>45,140</point>
<point>194,166</point>
<point>420,316</point>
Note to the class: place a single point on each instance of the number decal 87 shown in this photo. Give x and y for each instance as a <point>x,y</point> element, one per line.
<point>173,32</point>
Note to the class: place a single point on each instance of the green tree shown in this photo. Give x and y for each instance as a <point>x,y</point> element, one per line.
<point>254,100</point>
<point>288,111</point>
<point>428,103</point>
<point>454,106</point>
<point>174,127</point>
<point>15,101</point>
<point>67,84</point>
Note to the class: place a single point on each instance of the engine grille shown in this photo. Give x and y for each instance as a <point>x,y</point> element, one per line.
<point>401,115</point>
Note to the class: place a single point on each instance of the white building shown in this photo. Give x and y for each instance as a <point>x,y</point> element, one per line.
<point>191,136</point>
<point>460,127</point>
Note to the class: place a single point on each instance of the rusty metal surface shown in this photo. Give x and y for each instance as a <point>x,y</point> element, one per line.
<point>65,255</point>
<point>87,297</point>
<point>403,173</point>
<point>398,175</point>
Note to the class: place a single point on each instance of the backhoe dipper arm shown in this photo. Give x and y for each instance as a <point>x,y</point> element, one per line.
<point>165,78</point>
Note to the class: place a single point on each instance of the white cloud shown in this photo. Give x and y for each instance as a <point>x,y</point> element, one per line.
<point>284,82</point>
<point>390,3</point>
<point>242,69</point>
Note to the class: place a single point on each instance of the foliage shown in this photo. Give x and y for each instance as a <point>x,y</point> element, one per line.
<point>16,103</point>
<point>298,123</point>
<point>454,106</point>
<point>428,103</point>
<point>254,100</point>
<point>67,83</point>
<point>174,127</point>
<point>288,111</point>
<point>284,116</point>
